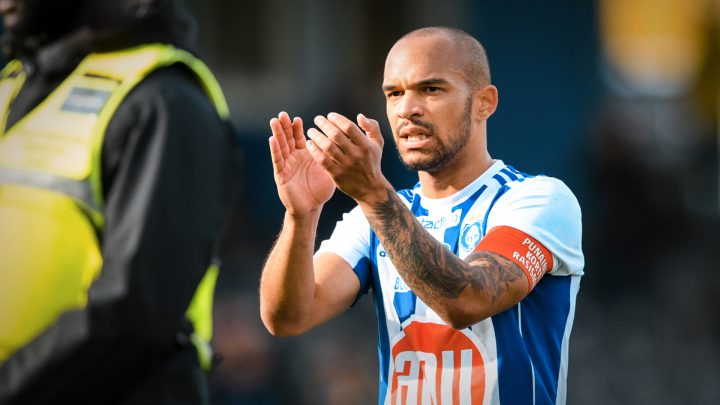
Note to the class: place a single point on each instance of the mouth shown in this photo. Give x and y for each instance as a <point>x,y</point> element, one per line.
<point>414,137</point>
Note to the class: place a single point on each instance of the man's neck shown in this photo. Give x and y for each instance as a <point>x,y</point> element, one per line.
<point>454,177</point>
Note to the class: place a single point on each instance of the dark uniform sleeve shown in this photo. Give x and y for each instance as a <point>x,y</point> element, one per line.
<point>169,172</point>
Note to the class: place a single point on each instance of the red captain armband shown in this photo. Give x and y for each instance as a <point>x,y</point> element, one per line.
<point>533,258</point>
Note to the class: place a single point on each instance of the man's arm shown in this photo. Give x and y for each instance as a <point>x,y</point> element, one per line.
<point>298,292</point>
<point>460,292</point>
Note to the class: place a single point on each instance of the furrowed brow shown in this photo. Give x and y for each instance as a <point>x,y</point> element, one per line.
<point>429,82</point>
<point>422,83</point>
<point>388,87</point>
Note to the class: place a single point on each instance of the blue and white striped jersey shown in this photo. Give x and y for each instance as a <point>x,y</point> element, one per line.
<point>519,356</point>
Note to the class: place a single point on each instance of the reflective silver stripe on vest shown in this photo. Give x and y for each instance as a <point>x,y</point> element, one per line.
<point>78,190</point>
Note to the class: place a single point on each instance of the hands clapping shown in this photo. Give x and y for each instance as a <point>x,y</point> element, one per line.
<point>339,151</point>
<point>303,185</point>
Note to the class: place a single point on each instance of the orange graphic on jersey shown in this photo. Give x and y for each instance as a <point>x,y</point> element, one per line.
<point>435,364</point>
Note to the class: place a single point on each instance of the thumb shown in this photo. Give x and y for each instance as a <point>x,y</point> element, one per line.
<point>371,128</point>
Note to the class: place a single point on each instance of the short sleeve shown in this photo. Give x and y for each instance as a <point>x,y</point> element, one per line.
<point>546,209</point>
<point>351,241</point>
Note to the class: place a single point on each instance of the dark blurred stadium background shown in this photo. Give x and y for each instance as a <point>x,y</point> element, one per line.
<point>619,99</point>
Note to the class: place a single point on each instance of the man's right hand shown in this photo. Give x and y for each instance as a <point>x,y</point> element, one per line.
<point>303,185</point>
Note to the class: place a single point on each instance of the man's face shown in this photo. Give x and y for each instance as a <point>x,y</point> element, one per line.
<point>24,18</point>
<point>429,104</point>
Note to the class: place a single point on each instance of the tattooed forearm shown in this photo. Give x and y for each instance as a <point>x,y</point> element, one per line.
<point>492,272</point>
<point>427,266</point>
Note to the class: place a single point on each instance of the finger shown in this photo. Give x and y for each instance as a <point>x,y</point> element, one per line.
<point>298,134</point>
<point>334,133</point>
<point>319,156</point>
<point>371,128</point>
<point>287,129</point>
<point>290,135</point>
<point>276,155</point>
<point>284,118</point>
<point>348,128</point>
<point>279,128</point>
<point>279,135</point>
<point>326,145</point>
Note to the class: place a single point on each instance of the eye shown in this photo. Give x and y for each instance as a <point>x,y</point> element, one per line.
<point>432,89</point>
<point>393,94</point>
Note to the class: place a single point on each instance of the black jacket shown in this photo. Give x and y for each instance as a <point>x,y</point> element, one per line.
<point>169,173</point>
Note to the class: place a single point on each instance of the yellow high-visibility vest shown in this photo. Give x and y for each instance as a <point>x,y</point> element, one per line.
<point>51,197</point>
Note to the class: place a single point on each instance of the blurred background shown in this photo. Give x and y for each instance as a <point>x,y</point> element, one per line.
<point>618,98</point>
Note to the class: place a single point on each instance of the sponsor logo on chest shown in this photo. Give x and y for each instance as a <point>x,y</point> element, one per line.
<point>432,363</point>
<point>440,222</point>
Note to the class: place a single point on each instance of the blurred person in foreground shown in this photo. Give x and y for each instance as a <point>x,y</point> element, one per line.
<point>116,175</point>
<point>474,271</point>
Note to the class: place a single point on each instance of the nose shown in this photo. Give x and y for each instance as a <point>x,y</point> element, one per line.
<point>410,105</point>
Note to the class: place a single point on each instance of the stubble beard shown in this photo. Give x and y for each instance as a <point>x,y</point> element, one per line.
<point>444,153</point>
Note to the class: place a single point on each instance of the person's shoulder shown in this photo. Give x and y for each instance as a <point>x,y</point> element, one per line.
<point>170,84</point>
<point>544,193</point>
<point>168,102</point>
<point>168,94</point>
<point>542,185</point>
<point>545,208</point>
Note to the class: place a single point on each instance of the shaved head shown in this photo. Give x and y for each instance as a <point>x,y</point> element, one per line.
<point>471,54</point>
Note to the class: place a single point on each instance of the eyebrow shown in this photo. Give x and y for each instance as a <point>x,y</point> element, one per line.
<point>422,83</point>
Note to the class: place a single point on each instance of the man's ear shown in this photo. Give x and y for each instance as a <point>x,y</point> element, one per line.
<point>486,102</point>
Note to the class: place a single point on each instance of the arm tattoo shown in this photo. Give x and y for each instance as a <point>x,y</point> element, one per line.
<point>427,266</point>
<point>495,282</point>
